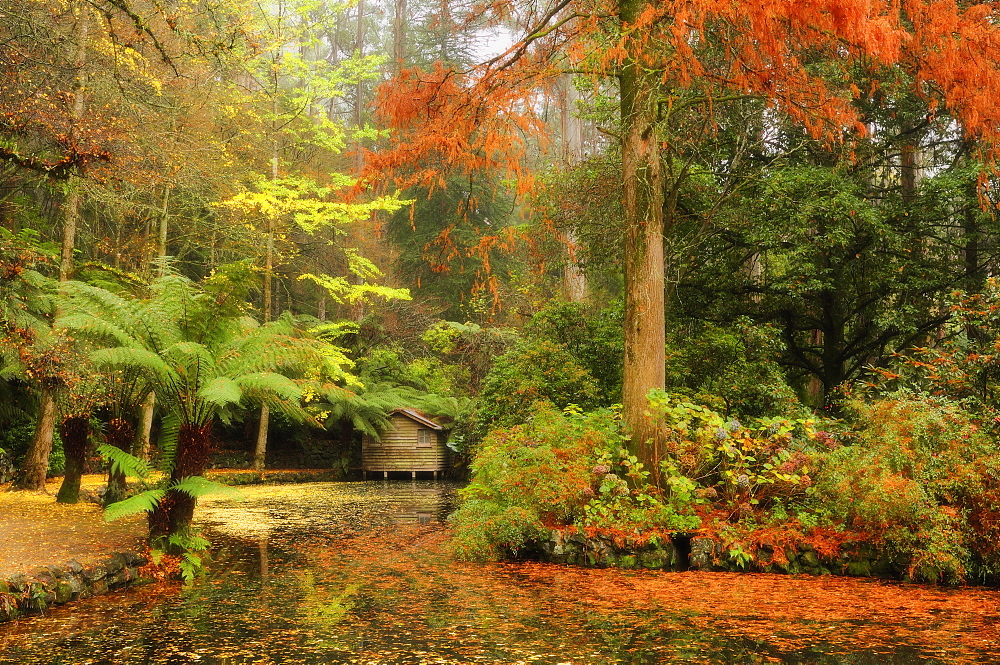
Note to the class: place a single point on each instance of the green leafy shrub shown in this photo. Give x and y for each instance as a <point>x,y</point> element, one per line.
<point>532,476</point>
<point>595,338</point>
<point>561,469</point>
<point>710,459</point>
<point>733,369</point>
<point>911,483</point>
<point>529,373</point>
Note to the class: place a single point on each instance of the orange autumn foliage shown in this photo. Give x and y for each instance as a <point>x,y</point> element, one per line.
<point>451,120</point>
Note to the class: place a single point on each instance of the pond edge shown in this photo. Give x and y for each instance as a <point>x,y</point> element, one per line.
<point>26,594</point>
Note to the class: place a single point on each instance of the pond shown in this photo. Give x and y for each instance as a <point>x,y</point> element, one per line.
<point>360,573</point>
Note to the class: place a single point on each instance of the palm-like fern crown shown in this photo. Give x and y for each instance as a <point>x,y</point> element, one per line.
<point>196,347</point>
<point>368,408</point>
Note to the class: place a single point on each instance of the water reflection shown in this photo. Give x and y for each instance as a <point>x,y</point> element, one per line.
<point>360,573</point>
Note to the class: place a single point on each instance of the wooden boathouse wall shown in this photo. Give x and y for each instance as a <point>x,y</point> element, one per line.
<point>413,443</point>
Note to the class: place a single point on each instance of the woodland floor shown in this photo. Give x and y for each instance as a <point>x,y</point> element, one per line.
<point>35,531</point>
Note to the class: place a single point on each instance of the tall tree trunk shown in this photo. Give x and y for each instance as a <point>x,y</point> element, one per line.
<point>644,366</point>
<point>35,466</point>
<point>75,434</point>
<point>334,59</point>
<point>161,244</point>
<point>399,21</point>
<point>140,447</point>
<point>574,280</point>
<point>175,511</point>
<point>37,458</point>
<point>834,367</point>
<point>120,434</point>
<point>909,167</point>
<point>71,215</point>
<point>359,89</point>
<point>260,450</point>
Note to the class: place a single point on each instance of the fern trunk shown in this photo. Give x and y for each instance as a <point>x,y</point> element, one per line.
<point>75,433</point>
<point>120,434</point>
<point>174,513</point>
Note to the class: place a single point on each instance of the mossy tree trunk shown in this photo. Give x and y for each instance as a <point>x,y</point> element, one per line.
<point>645,361</point>
<point>35,466</point>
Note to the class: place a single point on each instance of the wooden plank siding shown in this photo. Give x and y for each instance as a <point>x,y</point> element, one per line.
<point>400,449</point>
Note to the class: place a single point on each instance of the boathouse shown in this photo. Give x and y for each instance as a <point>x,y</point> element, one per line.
<point>413,443</point>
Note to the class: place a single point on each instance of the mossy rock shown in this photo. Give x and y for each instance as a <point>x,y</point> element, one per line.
<point>810,559</point>
<point>703,553</point>
<point>8,608</point>
<point>860,568</point>
<point>18,583</point>
<point>627,561</point>
<point>40,597</point>
<point>64,592</point>
<point>654,559</point>
<point>116,580</point>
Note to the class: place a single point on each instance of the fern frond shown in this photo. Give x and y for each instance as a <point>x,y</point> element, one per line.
<point>190,357</point>
<point>190,565</point>
<point>96,327</point>
<point>199,486</point>
<point>192,542</point>
<point>259,384</point>
<point>124,463</point>
<point>120,357</point>
<point>291,410</point>
<point>144,502</point>
<point>221,391</point>
<point>170,427</point>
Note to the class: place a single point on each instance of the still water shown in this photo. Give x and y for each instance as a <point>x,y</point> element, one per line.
<point>360,573</point>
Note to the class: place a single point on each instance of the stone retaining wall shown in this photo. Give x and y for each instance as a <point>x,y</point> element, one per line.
<point>685,552</point>
<point>570,546</point>
<point>56,585</point>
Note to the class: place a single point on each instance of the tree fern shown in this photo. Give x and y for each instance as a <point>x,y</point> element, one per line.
<point>194,345</point>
